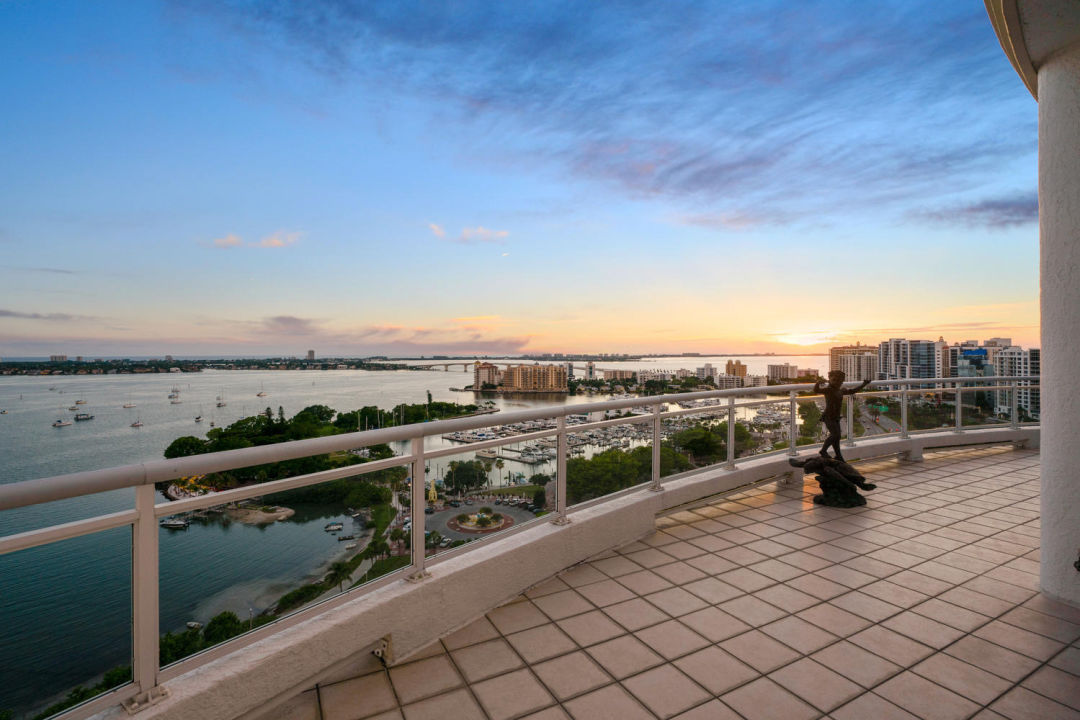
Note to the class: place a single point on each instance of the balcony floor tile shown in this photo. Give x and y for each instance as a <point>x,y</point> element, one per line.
<point>922,604</point>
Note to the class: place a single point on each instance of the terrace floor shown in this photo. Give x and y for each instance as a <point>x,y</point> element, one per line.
<point>761,605</point>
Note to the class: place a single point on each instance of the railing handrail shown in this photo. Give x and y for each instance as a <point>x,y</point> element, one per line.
<point>59,487</point>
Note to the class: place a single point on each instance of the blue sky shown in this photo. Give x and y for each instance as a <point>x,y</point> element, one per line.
<point>264,177</point>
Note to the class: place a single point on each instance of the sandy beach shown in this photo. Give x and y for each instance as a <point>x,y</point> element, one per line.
<point>259,515</point>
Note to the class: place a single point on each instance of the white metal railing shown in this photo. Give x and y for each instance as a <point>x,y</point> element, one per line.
<point>143,518</point>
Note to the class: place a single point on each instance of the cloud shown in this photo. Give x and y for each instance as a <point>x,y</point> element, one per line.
<point>997,213</point>
<point>49,270</point>
<point>481,234</point>
<point>290,325</point>
<point>437,230</point>
<point>735,220</point>
<point>228,241</point>
<point>281,238</point>
<point>805,111</point>
<point>477,318</point>
<point>460,337</point>
<point>61,317</point>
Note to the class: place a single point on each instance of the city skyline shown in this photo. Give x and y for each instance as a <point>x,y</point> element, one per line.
<point>200,179</point>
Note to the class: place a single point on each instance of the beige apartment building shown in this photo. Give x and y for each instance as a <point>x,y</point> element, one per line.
<point>535,378</point>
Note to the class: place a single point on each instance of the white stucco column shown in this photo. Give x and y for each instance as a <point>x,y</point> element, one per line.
<point>1059,233</point>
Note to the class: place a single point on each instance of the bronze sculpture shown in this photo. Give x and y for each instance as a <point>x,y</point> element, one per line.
<point>834,393</point>
<point>840,483</point>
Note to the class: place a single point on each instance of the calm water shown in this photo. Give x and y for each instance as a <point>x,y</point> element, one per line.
<point>65,608</point>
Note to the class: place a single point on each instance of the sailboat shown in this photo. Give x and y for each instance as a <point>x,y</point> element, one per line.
<point>198,418</point>
<point>262,391</point>
<point>129,404</point>
<point>221,399</point>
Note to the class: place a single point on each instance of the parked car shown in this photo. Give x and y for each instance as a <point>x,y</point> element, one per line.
<point>429,510</point>
<point>455,503</point>
<point>445,542</point>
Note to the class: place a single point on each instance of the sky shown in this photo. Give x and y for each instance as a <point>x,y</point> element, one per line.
<point>220,177</point>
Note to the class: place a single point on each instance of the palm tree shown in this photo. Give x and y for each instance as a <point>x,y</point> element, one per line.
<point>500,465</point>
<point>339,573</point>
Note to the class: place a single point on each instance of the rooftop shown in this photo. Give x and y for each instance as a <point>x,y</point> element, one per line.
<point>759,604</point>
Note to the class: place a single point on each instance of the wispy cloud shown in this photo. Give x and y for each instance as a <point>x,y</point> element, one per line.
<point>736,220</point>
<point>290,325</point>
<point>481,234</point>
<point>996,213</point>
<point>282,238</point>
<point>464,335</point>
<point>437,230</point>
<point>807,111</point>
<point>59,317</point>
<point>279,239</point>
<point>48,270</point>
<point>477,318</point>
<point>228,241</point>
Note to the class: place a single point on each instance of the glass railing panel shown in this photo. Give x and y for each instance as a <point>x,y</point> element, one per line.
<point>233,567</point>
<point>769,426</point>
<point>874,414</point>
<point>979,407</point>
<point>484,492</point>
<point>930,409</point>
<point>65,619</point>
<point>611,459</point>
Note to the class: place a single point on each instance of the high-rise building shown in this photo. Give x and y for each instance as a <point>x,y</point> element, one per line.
<point>310,355</point>
<point>535,378</point>
<point>590,370</point>
<point>645,376</point>
<point>786,371</point>
<point>619,374</point>
<point>839,351</point>
<point>900,358</point>
<point>735,367</point>
<point>860,366</point>
<point>705,372</point>
<point>485,374</point>
<point>58,358</point>
<point>1016,361</point>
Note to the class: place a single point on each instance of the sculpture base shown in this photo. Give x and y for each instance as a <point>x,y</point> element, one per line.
<point>840,483</point>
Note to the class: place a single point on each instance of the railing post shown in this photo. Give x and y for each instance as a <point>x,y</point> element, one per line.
<point>145,618</point>
<point>959,406</point>
<point>419,501</point>
<point>903,413</point>
<point>656,434</point>
<point>1014,405</point>
<point>730,464</point>
<point>850,442</point>
<point>561,501</point>
<point>793,427</point>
